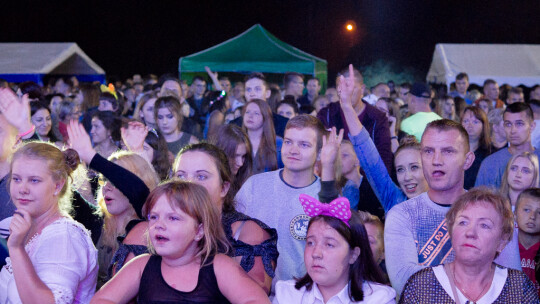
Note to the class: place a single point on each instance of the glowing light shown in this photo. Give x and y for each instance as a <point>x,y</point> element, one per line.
<point>349,27</point>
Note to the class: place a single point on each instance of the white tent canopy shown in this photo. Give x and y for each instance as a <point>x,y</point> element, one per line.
<point>514,64</point>
<point>31,61</point>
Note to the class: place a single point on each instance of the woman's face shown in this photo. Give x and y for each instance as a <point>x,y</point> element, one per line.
<point>349,161</point>
<point>448,107</point>
<point>32,187</point>
<point>473,125</point>
<point>521,174</point>
<point>253,118</point>
<point>116,202</point>
<point>147,111</point>
<point>239,158</point>
<point>173,233</point>
<point>328,256</point>
<point>200,168</point>
<point>477,234</point>
<point>148,152</point>
<point>42,120</point>
<point>409,172</point>
<point>167,121</point>
<point>98,132</point>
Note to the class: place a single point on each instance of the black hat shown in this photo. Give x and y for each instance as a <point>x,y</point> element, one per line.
<point>420,89</point>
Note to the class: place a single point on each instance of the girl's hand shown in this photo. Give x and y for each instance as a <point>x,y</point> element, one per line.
<point>18,229</point>
<point>392,121</point>
<point>134,136</point>
<point>330,148</point>
<point>79,140</point>
<point>213,75</point>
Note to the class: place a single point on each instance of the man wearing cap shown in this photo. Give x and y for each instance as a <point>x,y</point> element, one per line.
<point>421,114</point>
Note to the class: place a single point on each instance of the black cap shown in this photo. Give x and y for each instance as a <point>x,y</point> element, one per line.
<point>420,89</point>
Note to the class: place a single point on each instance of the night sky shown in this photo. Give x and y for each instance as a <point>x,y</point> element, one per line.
<point>127,37</point>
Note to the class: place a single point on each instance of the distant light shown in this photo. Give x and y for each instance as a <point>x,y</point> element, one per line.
<point>349,27</point>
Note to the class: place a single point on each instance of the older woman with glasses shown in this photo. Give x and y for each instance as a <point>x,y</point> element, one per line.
<point>480,224</point>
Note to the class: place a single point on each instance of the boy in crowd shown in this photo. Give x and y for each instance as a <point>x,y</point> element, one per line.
<point>273,197</point>
<point>527,215</point>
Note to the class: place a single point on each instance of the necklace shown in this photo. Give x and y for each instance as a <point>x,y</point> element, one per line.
<point>470,299</point>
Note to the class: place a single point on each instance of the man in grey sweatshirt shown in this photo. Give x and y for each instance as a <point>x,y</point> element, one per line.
<point>273,197</point>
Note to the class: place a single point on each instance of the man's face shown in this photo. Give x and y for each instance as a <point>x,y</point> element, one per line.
<point>382,91</point>
<point>444,159</point>
<point>403,93</point>
<point>462,85</point>
<point>518,128</point>
<point>255,89</point>
<point>299,150</point>
<point>491,91</point>
<point>296,86</point>
<point>313,87</point>
<point>515,97</point>
<point>198,87</point>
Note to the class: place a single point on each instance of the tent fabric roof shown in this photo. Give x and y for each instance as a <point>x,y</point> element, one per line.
<point>46,58</point>
<point>254,50</point>
<point>513,64</point>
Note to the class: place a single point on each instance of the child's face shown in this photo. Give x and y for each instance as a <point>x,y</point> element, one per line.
<point>376,242</point>
<point>528,215</point>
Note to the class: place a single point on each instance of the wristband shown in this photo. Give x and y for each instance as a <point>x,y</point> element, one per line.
<point>393,137</point>
<point>20,136</point>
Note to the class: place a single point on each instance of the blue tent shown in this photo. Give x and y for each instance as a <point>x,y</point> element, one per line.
<point>32,61</point>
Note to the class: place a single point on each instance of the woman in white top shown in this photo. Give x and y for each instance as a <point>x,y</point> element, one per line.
<point>52,258</point>
<point>338,259</point>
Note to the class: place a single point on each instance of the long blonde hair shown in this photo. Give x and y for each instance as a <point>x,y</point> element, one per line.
<point>505,187</point>
<point>138,166</point>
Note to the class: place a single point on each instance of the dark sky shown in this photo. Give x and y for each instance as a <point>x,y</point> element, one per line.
<point>127,37</point>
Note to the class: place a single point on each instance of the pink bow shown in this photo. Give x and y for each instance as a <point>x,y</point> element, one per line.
<point>339,208</point>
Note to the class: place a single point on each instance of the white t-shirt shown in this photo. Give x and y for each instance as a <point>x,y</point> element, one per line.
<point>64,258</point>
<point>373,293</point>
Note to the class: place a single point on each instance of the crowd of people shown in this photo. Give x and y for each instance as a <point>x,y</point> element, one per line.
<point>155,191</point>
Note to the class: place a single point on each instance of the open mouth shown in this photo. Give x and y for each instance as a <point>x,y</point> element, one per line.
<point>410,188</point>
<point>438,173</point>
<point>161,239</point>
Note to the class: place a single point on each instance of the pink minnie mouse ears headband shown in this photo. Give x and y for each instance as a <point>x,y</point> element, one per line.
<point>339,208</point>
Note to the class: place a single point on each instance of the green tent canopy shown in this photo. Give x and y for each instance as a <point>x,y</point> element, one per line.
<point>255,50</point>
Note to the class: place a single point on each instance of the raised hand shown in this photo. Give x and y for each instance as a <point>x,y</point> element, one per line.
<point>15,110</point>
<point>329,154</point>
<point>347,88</point>
<point>18,229</point>
<point>210,73</point>
<point>134,136</point>
<point>79,140</point>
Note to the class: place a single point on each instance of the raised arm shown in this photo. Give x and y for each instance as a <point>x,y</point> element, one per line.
<point>128,183</point>
<point>214,77</point>
<point>388,193</point>
<point>329,154</point>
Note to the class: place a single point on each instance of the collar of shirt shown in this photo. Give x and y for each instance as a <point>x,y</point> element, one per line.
<point>341,297</point>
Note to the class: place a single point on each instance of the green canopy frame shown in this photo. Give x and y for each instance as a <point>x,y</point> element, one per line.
<point>255,50</point>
